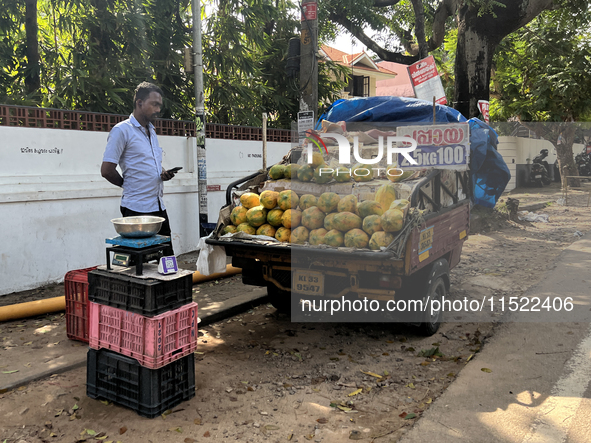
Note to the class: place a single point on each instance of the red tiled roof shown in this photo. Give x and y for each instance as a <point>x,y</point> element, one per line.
<point>343,58</point>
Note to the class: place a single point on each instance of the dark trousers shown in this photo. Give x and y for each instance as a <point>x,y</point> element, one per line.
<point>164,229</point>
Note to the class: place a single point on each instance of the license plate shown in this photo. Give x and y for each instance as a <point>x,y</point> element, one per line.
<point>308,283</point>
<point>538,176</point>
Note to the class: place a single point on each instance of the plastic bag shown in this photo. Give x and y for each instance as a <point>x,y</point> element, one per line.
<point>212,259</point>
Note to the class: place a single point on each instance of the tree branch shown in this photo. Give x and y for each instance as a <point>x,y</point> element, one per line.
<point>445,10</point>
<point>417,6</point>
<point>385,3</point>
<point>371,45</point>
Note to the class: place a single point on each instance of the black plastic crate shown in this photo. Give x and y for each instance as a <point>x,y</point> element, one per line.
<point>149,392</point>
<point>148,297</point>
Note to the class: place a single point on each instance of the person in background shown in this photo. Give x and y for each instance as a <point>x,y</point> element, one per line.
<point>132,144</point>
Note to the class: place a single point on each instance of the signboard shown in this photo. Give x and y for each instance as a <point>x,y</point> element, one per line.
<point>426,81</point>
<point>438,146</point>
<point>213,188</point>
<point>483,106</point>
<point>305,123</point>
<point>310,11</point>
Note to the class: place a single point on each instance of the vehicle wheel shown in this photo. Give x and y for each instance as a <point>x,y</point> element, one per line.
<point>432,321</point>
<point>539,183</point>
<point>280,299</point>
<point>546,181</point>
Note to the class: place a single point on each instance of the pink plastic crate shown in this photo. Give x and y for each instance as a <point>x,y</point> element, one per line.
<point>153,341</point>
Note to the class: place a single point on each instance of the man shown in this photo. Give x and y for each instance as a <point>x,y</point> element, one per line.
<point>133,145</point>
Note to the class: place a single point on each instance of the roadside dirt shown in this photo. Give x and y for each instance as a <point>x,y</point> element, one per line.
<point>261,378</point>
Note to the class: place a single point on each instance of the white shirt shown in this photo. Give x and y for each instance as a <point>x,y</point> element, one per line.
<point>140,159</point>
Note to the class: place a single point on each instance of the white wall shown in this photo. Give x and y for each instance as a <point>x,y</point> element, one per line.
<point>507,147</point>
<point>57,208</point>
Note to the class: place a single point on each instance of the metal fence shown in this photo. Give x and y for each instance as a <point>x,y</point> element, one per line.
<point>31,117</point>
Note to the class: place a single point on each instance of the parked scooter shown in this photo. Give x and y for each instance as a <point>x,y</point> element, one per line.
<point>539,175</point>
<point>583,162</point>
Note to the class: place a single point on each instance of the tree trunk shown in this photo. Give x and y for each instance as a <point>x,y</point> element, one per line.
<point>32,78</point>
<point>478,37</point>
<point>474,55</point>
<point>564,152</point>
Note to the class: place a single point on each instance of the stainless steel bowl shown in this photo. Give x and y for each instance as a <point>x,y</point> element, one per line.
<point>138,226</point>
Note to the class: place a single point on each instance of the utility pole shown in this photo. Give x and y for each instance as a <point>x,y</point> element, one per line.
<point>200,118</point>
<point>308,60</point>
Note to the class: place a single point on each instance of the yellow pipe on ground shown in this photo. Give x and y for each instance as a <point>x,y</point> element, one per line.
<point>32,308</point>
<point>230,270</point>
<point>57,304</point>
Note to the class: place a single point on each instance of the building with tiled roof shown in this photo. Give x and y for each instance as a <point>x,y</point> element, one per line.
<point>364,72</point>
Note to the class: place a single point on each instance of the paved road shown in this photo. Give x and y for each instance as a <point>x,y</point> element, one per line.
<point>538,390</point>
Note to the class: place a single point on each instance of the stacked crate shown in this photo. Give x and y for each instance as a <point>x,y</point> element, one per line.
<point>142,334</point>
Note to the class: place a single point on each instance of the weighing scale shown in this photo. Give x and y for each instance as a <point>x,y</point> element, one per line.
<point>137,251</point>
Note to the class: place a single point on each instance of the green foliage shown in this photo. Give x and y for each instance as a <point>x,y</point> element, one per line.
<point>542,70</point>
<point>94,52</point>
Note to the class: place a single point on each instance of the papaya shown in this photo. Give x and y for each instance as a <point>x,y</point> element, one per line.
<point>385,195</point>
<point>283,234</point>
<point>256,216</point>
<point>362,173</point>
<point>322,174</point>
<point>371,224</point>
<point>249,200</point>
<point>299,235</point>
<point>329,223</point>
<point>267,230</point>
<point>369,207</point>
<point>313,218</point>
<point>277,172</point>
<point>401,204</point>
<point>317,159</point>
<point>307,201</point>
<point>348,204</point>
<point>230,229</point>
<point>356,238</point>
<point>396,174</point>
<point>245,227</point>
<point>392,220</point>
<point>345,221</point>
<point>342,174</point>
<point>328,202</point>
<point>269,199</point>
<point>275,217</point>
<point>334,238</point>
<point>317,236</point>
<point>291,218</point>
<point>291,171</point>
<point>380,239</point>
<point>238,215</point>
<point>305,173</point>
<point>288,200</point>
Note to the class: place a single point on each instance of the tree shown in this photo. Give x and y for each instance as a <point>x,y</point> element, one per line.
<point>542,75</point>
<point>481,26</point>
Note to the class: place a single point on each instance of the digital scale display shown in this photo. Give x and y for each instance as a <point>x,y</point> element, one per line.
<point>121,259</point>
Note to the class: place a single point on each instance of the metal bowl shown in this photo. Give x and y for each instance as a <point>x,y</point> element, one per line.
<point>137,226</point>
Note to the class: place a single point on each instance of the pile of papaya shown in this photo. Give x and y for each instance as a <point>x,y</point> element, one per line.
<point>328,219</point>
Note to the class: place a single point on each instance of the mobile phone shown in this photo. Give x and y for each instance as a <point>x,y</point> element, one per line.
<point>175,170</point>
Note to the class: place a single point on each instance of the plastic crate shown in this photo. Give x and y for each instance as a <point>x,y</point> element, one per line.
<point>152,341</point>
<point>147,297</point>
<point>149,392</point>
<point>76,294</point>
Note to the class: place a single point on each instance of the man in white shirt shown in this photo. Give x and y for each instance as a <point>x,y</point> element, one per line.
<point>133,145</point>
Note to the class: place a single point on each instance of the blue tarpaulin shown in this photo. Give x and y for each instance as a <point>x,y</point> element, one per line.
<point>488,170</point>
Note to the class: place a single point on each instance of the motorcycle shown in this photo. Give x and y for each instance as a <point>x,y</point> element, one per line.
<point>583,162</point>
<point>539,170</point>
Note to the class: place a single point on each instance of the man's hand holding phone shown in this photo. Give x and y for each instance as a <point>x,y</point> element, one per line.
<point>167,175</point>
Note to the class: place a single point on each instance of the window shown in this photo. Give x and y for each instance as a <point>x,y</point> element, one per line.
<point>358,86</point>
